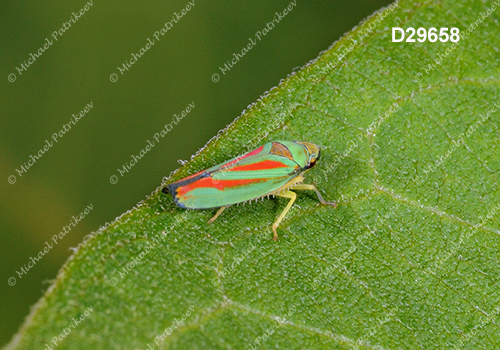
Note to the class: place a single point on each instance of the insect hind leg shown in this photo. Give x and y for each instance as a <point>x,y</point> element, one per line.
<point>286,194</point>
<point>221,209</point>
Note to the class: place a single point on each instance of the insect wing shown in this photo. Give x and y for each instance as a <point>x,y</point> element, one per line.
<point>240,179</point>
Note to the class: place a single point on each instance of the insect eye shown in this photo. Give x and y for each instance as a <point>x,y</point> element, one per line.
<point>311,163</point>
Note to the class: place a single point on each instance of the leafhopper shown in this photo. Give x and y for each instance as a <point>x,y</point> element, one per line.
<point>274,169</point>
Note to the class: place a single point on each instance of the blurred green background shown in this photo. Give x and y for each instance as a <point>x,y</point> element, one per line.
<point>75,172</point>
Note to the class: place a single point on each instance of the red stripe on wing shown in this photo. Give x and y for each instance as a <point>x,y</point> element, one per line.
<point>207,182</point>
<point>264,165</point>
<point>254,152</point>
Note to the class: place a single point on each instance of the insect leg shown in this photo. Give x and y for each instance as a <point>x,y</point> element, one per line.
<point>286,194</point>
<point>221,209</point>
<point>313,188</point>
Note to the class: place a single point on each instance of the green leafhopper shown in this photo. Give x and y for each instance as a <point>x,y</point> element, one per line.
<point>275,168</point>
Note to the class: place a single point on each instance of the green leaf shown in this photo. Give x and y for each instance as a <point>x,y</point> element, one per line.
<point>410,259</point>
